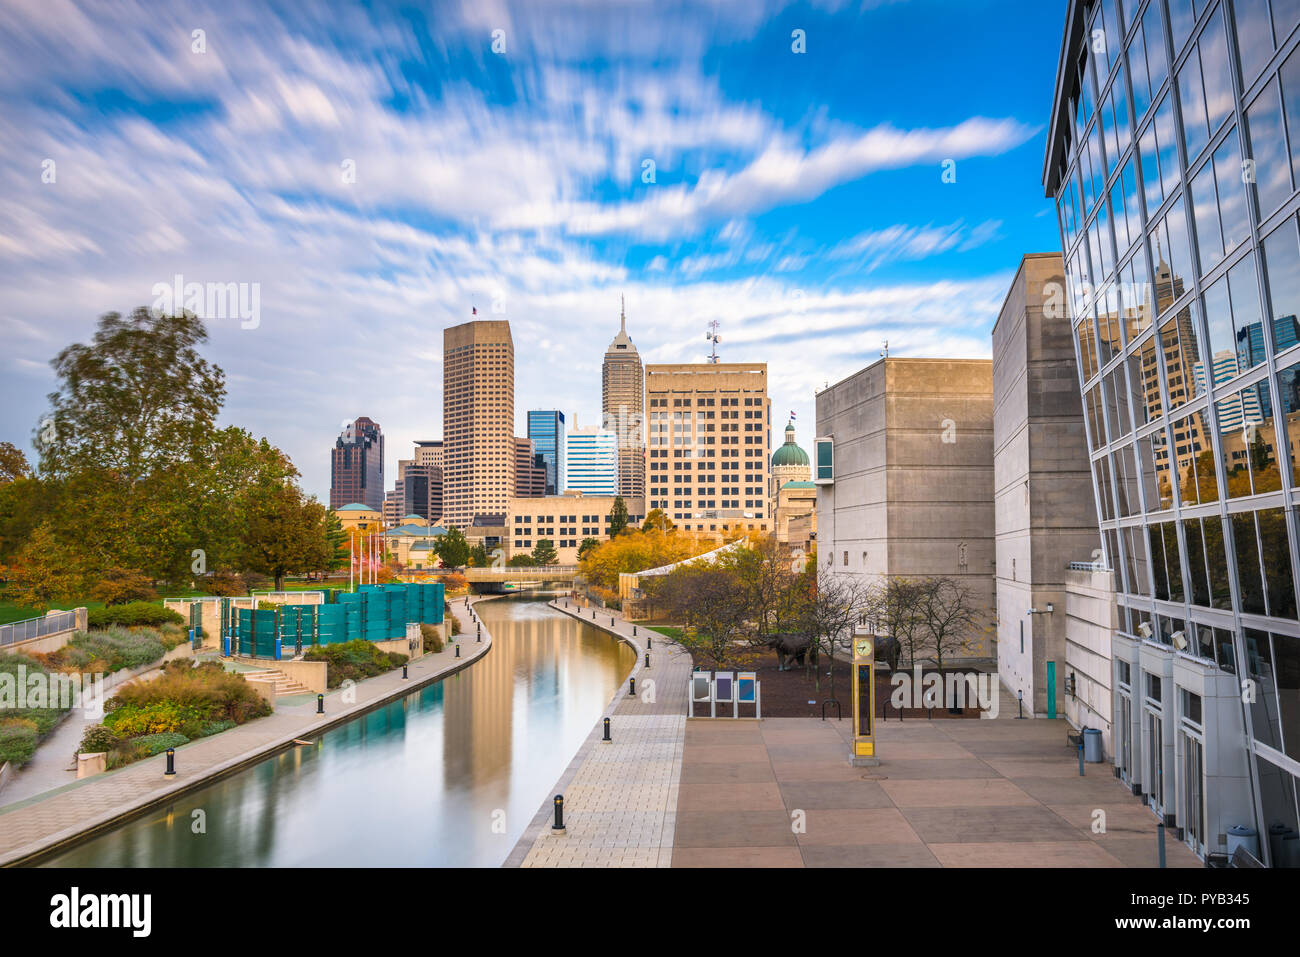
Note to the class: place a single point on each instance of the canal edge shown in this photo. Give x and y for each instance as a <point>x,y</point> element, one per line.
<point>33,851</point>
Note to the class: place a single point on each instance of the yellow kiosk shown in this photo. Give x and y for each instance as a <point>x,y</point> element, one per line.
<point>864,701</point>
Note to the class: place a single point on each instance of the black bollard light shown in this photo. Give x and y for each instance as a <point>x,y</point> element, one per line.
<point>631,687</point>
<point>404,674</point>
<point>649,641</point>
<point>458,649</point>
<point>634,631</point>
<point>611,619</point>
<point>647,659</point>
<point>1160,844</point>
<point>171,761</point>
<point>1080,758</point>
<point>320,704</point>
<point>1020,704</point>
<point>559,813</point>
<point>607,737</point>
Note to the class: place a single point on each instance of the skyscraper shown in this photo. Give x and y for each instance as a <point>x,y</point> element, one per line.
<point>592,462</point>
<point>1149,133</point>
<point>546,429</point>
<point>623,408</point>
<point>530,470</point>
<point>357,466</point>
<point>478,414</point>
<point>707,428</point>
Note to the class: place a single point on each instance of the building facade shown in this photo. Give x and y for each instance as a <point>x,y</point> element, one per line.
<point>707,429</point>
<point>357,466</point>
<point>622,403</point>
<point>903,463</point>
<point>565,520</point>
<point>791,496</point>
<point>1044,514</point>
<point>422,492</point>
<point>1170,156</point>
<point>591,462</point>
<point>530,470</point>
<point>546,429</point>
<point>478,416</point>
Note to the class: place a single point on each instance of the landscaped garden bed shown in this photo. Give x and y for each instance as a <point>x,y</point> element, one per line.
<point>353,660</point>
<point>21,729</point>
<point>113,649</point>
<point>185,702</point>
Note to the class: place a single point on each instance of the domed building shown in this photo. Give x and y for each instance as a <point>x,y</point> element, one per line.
<point>793,495</point>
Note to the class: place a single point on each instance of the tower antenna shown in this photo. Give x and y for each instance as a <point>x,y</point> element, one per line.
<point>712,336</point>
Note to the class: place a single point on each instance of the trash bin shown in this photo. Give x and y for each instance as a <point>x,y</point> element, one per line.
<point>1092,746</point>
<point>1244,837</point>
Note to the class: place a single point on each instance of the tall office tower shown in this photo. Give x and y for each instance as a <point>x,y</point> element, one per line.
<point>623,409</point>
<point>546,429</point>
<point>591,462</point>
<point>707,427</point>
<point>428,452</point>
<point>393,511</point>
<point>1205,554</point>
<point>357,466</point>
<point>478,415</point>
<point>422,492</point>
<point>530,470</point>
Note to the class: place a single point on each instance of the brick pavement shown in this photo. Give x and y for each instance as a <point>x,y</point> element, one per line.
<point>620,797</point>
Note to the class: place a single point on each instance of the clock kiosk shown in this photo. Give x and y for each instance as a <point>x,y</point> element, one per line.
<point>864,701</point>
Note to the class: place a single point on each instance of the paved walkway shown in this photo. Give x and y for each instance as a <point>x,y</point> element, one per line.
<point>42,822</point>
<point>1004,793</point>
<point>620,796</point>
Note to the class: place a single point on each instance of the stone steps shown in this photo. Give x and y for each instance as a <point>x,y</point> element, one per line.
<point>284,685</point>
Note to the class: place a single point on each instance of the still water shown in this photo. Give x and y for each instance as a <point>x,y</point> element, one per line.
<point>447,776</point>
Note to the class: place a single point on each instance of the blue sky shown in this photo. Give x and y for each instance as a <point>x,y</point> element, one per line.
<point>797,197</point>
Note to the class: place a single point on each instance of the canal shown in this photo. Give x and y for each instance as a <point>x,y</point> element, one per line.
<point>448,776</point>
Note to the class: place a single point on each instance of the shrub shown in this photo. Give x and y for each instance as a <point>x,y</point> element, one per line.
<point>43,719</point>
<point>97,739</point>
<point>432,640</point>
<point>118,586</point>
<point>152,744</point>
<point>215,727</point>
<point>108,651</point>
<point>227,584</point>
<point>17,743</point>
<point>157,717</point>
<point>136,613</point>
<point>202,693</point>
<point>354,660</point>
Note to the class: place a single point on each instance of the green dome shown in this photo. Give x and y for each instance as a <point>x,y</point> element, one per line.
<point>790,453</point>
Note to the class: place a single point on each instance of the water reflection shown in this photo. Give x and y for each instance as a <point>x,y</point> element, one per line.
<point>447,776</point>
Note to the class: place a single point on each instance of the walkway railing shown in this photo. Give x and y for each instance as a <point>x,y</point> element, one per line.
<point>37,627</point>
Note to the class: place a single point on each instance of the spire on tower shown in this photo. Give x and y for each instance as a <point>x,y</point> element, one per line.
<point>622,314</point>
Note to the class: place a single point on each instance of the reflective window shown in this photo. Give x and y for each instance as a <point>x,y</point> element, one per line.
<point>1271,172</point>
<point>1232,314</point>
<point>1249,444</point>
<point>1194,457</point>
<point>1254,36</point>
<point>1096,428</point>
<point>1264,563</point>
<point>1117,405</point>
<point>1182,17</point>
<point>1290,75</point>
<point>1165,564</point>
<point>1184,375</point>
<point>1135,292</point>
<point>1264,710</point>
<point>1277,798</point>
<point>1105,495</point>
<point>1207,561</point>
<point>1157,477</point>
<point>1135,562</point>
<point>1286,14</point>
<point>1159,156</point>
<point>1282,267</point>
<point>1144,382</point>
<point>1288,400</point>
<point>1087,349</point>
<point>1286,660</point>
<point>1126,482</point>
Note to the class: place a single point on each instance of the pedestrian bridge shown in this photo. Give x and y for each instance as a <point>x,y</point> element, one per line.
<point>509,579</point>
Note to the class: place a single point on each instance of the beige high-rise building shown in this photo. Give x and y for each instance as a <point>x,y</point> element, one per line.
<point>478,416</point>
<point>623,408</point>
<point>707,429</point>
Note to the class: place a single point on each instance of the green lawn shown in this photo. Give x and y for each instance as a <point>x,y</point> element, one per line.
<point>667,630</point>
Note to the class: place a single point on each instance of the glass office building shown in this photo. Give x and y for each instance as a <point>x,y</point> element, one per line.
<point>1174,161</point>
<point>546,429</point>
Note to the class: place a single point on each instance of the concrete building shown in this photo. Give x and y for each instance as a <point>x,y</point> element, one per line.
<point>1044,515</point>
<point>393,509</point>
<point>904,469</point>
<point>478,416</point>
<point>708,433</point>
<point>546,429</point>
<point>591,462</point>
<point>566,520</point>
<point>530,470</point>
<point>1203,544</point>
<point>622,390</point>
<point>422,492</point>
<point>360,515</point>
<point>357,465</point>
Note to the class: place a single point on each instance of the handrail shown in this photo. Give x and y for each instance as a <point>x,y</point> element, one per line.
<point>29,628</point>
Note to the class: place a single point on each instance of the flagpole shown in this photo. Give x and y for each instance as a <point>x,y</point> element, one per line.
<point>352,560</point>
